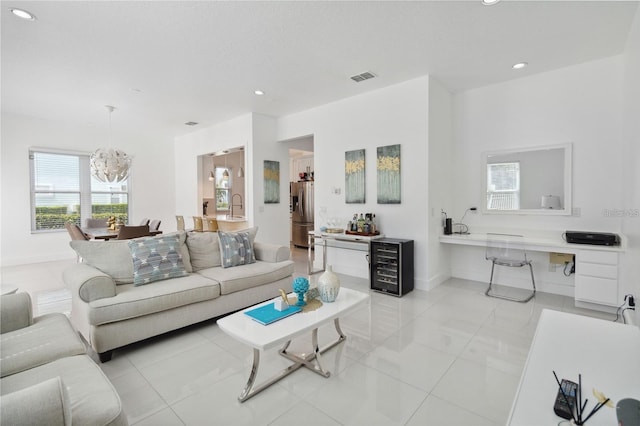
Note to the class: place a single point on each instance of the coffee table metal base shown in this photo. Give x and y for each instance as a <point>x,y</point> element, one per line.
<point>312,361</point>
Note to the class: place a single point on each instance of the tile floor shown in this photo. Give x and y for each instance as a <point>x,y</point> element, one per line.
<point>451,356</point>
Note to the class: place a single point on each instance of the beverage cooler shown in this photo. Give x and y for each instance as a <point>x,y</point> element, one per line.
<point>392,266</point>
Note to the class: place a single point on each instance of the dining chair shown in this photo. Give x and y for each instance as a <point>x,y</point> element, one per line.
<point>180,223</point>
<point>154,225</point>
<point>129,232</point>
<point>96,223</point>
<point>75,232</point>
<point>212,224</point>
<point>144,221</point>
<point>507,250</point>
<point>197,224</point>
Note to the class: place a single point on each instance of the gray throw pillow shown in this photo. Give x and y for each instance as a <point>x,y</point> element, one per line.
<point>236,248</point>
<point>156,258</point>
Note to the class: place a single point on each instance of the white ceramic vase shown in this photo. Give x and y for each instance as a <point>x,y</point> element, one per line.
<point>328,285</point>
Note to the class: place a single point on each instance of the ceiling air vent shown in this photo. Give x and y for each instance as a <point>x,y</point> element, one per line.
<point>362,77</point>
<point>191,123</point>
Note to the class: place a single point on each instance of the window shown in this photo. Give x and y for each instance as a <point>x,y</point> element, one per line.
<point>503,186</point>
<point>62,190</point>
<point>223,186</point>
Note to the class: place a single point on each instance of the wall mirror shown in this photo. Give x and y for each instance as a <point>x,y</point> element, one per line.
<point>533,180</point>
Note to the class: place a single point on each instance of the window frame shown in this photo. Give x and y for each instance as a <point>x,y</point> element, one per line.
<point>85,191</point>
<point>515,192</point>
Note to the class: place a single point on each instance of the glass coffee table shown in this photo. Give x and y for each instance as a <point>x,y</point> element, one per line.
<point>263,337</point>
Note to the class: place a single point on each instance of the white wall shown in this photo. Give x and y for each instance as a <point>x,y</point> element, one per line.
<point>188,169</point>
<point>393,115</point>
<point>440,173</point>
<point>630,155</point>
<point>152,181</point>
<point>581,104</point>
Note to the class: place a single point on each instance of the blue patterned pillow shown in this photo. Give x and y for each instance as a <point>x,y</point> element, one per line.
<point>156,258</point>
<point>236,249</point>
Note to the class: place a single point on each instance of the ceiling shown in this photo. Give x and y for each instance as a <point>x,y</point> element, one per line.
<point>163,63</point>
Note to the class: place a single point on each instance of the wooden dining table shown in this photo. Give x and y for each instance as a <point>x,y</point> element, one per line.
<point>107,233</point>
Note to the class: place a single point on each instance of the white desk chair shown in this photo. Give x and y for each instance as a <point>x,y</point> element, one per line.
<point>506,250</point>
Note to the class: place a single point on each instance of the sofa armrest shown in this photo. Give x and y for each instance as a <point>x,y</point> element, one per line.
<point>89,283</point>
<point>271,252</point>
<point>46,403</point>
<point>15,312</point>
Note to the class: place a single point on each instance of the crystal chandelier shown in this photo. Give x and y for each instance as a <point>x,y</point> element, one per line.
<point>108,164</point>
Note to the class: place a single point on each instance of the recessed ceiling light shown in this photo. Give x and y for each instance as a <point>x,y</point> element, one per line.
<point>489,2</point>
<point>519,65</point>
<point>191,123</point>
<point>20,13</point>
<point>258,92</point>
<point>134,90</point>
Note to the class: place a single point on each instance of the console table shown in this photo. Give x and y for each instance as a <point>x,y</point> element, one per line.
<point>338,240</point>
<point>596,266</point>
<point>605,353</point>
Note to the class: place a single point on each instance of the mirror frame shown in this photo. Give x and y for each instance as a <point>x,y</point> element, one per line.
<point>568,184</point>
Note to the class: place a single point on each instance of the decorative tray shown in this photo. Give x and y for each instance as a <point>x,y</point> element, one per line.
<point>362,233</point>
<point>334,231</point>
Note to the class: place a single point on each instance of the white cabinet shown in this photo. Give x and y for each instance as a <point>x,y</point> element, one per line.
<point>597,277</point>
<point>300,165</point>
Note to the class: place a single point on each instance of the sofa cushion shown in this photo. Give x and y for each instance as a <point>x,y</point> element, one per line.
<point>204,250</point>
<point>236,249</point>
<point>114,257</point>
<point>132,302</point>
<point>45,403</point>
<point>111,257</point>
<point>92,397</point>
<point>50,337</point>
<point>156,259</point>
<point>248,276</point>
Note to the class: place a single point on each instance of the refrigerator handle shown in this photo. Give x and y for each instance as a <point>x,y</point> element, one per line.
<point>301,202</point>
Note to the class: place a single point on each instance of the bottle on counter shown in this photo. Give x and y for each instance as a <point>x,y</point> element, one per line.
<point>361,223</point>
<point>354,223</point>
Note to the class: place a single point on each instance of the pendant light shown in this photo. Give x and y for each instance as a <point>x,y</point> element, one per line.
<point>109,164</point>
<point>225,174</point>
<point>240,172</point>
<point>211,177</point>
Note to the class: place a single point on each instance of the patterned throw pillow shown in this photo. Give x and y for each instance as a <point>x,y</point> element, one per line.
<point>155,259</point>
<point>236,249</point>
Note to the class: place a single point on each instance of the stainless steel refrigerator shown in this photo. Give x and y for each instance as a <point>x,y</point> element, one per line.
<point>301,212</point>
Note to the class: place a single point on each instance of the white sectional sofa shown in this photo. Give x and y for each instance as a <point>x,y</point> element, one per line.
<point>46,376</point>
<point>113,305</point>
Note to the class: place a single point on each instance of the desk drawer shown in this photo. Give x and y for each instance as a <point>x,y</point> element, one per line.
<point>597,256</point>
<point>597,290</point>
<point>597,270</point>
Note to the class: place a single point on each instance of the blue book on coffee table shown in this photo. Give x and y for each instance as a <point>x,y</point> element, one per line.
<point>267,314</point>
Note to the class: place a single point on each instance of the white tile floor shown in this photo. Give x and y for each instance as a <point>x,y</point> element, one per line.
<point>451,356</point>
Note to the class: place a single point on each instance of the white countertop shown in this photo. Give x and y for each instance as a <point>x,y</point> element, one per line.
<point>538,242</point>
<point>607,354</point>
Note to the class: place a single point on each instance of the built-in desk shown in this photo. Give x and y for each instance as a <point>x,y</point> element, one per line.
<point>607,355</point>
<point>596,266</point>
<point>338,240</point>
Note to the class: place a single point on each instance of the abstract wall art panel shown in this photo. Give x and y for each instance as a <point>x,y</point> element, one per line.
<point>388,168</point>
<point>271,182</point>
<point>354,177</point>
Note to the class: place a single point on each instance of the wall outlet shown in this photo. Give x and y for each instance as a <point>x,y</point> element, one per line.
<point>576,211</point>
<point>261,209</point>
<point>323,209</point>
<point>552,267</point>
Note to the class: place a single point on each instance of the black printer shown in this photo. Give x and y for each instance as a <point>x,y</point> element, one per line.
<point>593,238</point>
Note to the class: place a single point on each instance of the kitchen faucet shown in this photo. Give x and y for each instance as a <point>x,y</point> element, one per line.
<point>233,197</point>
